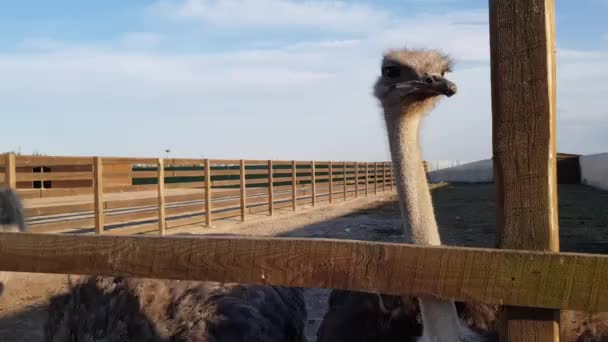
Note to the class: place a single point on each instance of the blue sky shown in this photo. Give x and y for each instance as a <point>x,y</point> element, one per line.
<point>260,79</point>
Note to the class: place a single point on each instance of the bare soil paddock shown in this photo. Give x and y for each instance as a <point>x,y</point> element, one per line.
<point>465,216</point>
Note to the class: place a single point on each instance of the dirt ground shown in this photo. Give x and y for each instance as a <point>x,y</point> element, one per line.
<point>465,215</point>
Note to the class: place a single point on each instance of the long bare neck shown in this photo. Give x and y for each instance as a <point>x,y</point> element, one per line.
<point>439,317</point>
<point>414,196</point>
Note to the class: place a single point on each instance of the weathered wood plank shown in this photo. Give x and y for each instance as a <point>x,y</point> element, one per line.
<point>281,261</point>
<point>522,41</point>
<point>53,176</point>
<point>24,160</point>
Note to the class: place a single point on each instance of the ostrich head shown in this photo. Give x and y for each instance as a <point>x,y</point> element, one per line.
<point>412,80</point>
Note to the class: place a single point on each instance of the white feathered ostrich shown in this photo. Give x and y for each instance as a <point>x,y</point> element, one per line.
<point>410,84</point>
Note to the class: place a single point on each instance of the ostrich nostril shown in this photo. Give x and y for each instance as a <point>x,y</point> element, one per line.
<point>429,80</point>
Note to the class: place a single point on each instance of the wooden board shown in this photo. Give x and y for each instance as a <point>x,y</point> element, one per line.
<point>522,278</point>
<point>523,104</point>
<point>25,160</point>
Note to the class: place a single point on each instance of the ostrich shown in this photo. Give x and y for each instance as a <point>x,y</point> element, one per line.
<point>118,309</point>
<point>408,88</point>
<point>121,309</point>
<point>410,85</point>
<point>11,220</point>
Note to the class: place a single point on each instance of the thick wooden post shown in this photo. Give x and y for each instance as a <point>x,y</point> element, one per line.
<point>162,224</point>
<point>331,182</point>
<point>243,175</point>
<point>10,171</point>
<point>522,41</point>
<point>356,180</point>
<point>345,181</point>
<point>313,173</point>
<point>98,194</point>
<point>294,183</point>
<point>270,189</point>
<point>208,216</point>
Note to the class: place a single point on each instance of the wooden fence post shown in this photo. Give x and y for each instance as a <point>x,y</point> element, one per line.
<point>331,182</point>
<point>98,194</point>
<point>10,170</point>
<point>208,209</point>
<point>356,180</point>
<point>243,175</point>
<point>390,175</point>
<point>375,178</point>
<point>162,224</point>
<point>270,189</point>
<point>314,182</point>
<point>522,46</point>
<point>294,190</point>
<point>366,179</point>
<point>345,181</point>
<point>383,176</point>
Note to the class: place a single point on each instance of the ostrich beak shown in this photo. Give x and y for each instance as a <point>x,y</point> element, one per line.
<point>444,86</point>
<point>435,85</point>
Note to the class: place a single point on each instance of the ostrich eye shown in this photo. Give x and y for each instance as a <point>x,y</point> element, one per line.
<point>391,72</point>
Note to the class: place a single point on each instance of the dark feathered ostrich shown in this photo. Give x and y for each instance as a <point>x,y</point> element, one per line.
<point>124,309</point>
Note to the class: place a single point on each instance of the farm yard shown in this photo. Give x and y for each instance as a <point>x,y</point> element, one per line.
<point>512,248</point>
<point>465,214</point>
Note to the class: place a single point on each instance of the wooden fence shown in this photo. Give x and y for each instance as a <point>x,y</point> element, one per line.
<point>527,275</point>
<point>138,195</point>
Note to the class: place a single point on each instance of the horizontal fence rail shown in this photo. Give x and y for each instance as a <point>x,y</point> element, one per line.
<point>494,276</point>
<point>144,195</point>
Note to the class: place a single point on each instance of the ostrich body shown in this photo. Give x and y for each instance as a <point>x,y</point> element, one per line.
<point>11,220</point>
<point>118,309</point>
<point>130,309</point>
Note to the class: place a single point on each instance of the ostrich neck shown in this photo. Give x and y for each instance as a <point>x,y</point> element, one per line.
<point>412,188</point>
<point>439,317</point>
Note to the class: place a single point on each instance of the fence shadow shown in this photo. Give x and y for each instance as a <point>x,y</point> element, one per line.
<point>480,171</point>
<point>466,216</point>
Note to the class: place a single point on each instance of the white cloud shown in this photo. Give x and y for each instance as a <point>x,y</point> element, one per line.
<point>140,40</point>
<point>265,102</point>
<point>580,55</point>
<point>336,16</point>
